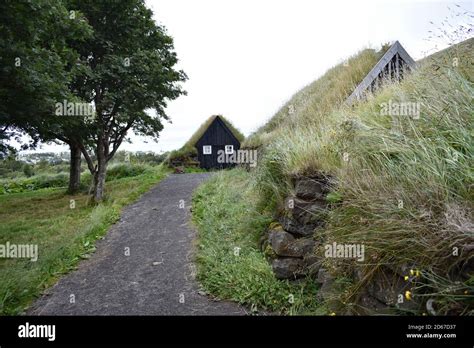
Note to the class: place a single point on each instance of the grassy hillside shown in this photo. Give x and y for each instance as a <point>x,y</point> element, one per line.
<point>404,185</point>
<point>319,97</point>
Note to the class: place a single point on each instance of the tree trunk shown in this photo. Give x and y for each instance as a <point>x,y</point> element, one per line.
<point>100,173</point>
<point>74,169</point>
<point>99,182</point>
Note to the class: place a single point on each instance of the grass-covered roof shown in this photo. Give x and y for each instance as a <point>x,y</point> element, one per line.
<point>189,149</point>
<point>198,134</point>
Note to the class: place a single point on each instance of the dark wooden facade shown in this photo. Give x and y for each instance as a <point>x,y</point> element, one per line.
<point>217,135</point>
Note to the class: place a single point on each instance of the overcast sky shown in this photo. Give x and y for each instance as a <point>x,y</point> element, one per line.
<point>245,58</point>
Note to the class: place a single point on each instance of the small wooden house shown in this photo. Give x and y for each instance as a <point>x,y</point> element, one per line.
<point>216,141</point>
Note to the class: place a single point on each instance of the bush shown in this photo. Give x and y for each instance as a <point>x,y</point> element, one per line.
<point>34,183</point>
<point>28,170</point>
<point>125,170</point>
<point>185,157</point>
<point>44,181</point>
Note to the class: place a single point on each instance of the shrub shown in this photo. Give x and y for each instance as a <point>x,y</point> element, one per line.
<point>44,181</point>
<point>28,170</point>
<point>125,170</point>
<point>34,183</point>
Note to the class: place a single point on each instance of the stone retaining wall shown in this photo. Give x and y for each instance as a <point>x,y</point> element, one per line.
<point>295,249</point>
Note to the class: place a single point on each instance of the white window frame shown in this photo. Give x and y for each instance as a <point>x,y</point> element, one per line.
<point>231,149</point>
<point>207,149</point>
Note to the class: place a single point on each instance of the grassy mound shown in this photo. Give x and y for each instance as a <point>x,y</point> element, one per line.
<point>404,182</point>
<point>314,101</point>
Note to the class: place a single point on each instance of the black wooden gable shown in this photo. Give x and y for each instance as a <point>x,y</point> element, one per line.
<point>217,135</point>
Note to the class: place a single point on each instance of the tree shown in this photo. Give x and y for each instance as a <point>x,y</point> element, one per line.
<point>130,62</point>
<point>36,66</point>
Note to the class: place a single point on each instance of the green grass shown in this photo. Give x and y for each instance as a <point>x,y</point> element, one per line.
<point>226,221</point>
<point>63,235</point>
<point>190,170</point>
<point>427,164</point>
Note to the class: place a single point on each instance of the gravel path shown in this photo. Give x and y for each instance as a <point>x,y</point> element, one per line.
<point>157,278</point>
